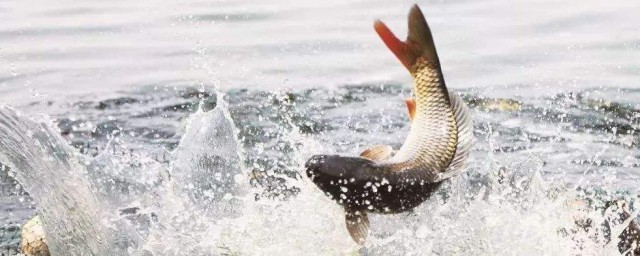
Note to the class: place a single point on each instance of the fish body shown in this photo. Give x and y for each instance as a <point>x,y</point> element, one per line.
<point>436,148</point>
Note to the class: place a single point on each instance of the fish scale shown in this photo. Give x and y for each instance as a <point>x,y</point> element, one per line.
<point>431,143</point>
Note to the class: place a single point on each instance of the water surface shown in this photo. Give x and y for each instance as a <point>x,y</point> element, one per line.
<point>161,91</point>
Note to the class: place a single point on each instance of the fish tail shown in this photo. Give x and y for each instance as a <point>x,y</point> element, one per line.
<point>419,42</point>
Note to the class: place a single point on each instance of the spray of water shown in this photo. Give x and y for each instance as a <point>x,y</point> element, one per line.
<point>202,203</point>
<point>57,181</point>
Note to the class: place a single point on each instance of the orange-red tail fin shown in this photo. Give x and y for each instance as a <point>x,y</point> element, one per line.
<point>419,42</point>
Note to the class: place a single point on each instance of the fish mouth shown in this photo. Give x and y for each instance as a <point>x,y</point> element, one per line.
<point>315,160</point>
<point>313,166</point>
<point>337,167</point>
<point>327,170</point>
<point>331,172</point>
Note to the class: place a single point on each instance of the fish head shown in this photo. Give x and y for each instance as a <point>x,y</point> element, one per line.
<point>341,177</point>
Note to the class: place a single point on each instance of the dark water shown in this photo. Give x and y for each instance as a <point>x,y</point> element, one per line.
<point>578,141</point>
<point>582,139</point>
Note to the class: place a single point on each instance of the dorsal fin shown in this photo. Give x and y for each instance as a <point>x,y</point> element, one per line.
<point>377,153</point>
<point>465,137</point>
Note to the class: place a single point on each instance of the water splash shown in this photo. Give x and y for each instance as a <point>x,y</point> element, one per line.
<point>201,202</point>
<point>206,185</point>
<point>207,166</point>
<point>56,179</point>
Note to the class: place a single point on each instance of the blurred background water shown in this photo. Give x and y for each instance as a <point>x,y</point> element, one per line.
<point>96,47</point>
<point>552,84</point>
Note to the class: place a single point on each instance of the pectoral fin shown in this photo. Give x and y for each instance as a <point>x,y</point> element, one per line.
<point>411,107</point>
<point>357,225</point>
<point>377,152</point>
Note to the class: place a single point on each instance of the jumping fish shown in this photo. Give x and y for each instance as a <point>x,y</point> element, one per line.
<point>438,144</point>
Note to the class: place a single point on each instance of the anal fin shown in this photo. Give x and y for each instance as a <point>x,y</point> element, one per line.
<point>357,225</point>
<point>377,152</point>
